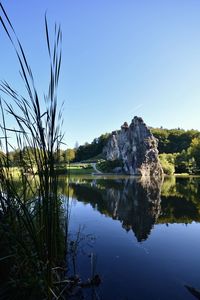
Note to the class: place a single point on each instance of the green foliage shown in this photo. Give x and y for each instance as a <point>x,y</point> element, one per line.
<point>194,151</point>
<point>185,144</point>
<point>185,163</point>
<point>32,235</point>
<point>110,165</point>
<point>87,151</point>
<point>167,162</point>
<point>169,186</point>
<point>64,156</point>
<point>174,140</point>
<point>82,168</point>
<point>69,155</point>
<point>188,161</point>
<point>162,136</point>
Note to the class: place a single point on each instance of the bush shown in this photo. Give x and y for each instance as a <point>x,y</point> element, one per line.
<point>167,163</point>
<point>110,165</point>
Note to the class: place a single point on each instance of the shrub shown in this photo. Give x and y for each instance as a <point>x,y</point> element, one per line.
<point>110,165</point>
<point>167,162</point>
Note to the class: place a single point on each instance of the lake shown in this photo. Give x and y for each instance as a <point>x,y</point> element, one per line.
<point>142,238</point>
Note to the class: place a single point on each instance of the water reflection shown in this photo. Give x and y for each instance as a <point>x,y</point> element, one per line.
<point>137,203</point>
<point>158,268</point>
<point>167,256</point>
<point>180,200</point>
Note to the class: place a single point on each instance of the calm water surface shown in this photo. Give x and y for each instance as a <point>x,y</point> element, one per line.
<point>144,236</point>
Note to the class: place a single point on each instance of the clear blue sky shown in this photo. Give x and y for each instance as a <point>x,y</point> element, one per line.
<point>120,58</point>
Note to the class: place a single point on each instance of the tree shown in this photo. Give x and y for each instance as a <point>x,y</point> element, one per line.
<point>87,150</point>
<point>174,140</point>
<point>162,136</point>
<point>69,155</point>
<point>194,151</point>
<point>167,162</point>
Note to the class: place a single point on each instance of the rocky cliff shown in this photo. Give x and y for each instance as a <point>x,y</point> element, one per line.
<point>136,148</point>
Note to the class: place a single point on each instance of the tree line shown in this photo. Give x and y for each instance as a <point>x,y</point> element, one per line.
<point>179,151</point>
<point>76,154</point>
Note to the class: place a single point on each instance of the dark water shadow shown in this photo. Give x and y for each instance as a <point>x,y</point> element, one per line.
<point>134,202</point>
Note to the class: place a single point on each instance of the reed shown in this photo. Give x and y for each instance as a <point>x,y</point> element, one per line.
<point>32,234</point>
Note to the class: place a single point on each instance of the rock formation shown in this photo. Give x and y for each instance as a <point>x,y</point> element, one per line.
<point>136,148</point>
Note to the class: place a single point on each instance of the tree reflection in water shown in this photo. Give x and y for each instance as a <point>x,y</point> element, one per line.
<point>140,203</point>
<point>135,203</point>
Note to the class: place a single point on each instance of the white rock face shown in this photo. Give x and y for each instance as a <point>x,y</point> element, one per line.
<point>136,147</point>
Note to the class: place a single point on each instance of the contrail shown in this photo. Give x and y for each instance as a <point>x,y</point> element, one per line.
<point>136,108</point>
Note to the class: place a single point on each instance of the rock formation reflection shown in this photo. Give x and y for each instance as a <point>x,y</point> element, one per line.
<point>135,203</point>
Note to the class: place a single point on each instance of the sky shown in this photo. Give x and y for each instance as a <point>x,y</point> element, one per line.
<point>121,58</point>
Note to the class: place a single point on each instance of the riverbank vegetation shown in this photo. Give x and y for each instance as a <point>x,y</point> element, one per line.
<point>179,152</point>
<point>35,252</point>
<point>33,236</point>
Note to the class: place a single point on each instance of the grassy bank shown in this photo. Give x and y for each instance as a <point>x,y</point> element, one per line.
<point>75,168</point>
